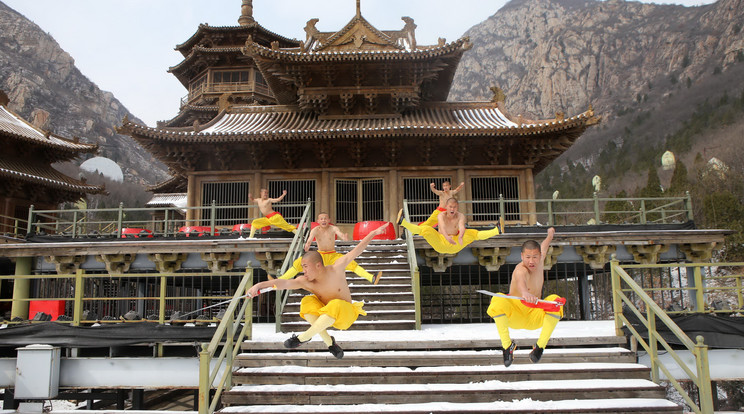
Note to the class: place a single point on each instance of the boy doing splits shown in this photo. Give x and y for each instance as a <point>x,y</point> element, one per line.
<point>450,236</point>
<point>444,195</point>
<point>527,282</point>
<point>330,303</point>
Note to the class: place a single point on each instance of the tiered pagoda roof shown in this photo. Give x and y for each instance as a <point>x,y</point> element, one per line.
<point>358,97</point>
<point>214,48</point>
<point>25,163</point>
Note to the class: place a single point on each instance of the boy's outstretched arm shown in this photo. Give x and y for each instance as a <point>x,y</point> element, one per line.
<point>279,284</point>
<point>545,245</point>
<point>344,260</point>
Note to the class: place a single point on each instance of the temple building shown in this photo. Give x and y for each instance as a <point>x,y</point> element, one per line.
<point>355,120</point>
<point>26,173</point>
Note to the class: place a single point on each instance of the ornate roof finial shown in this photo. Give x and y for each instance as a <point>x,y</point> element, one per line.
<point>246,13</point>
<point>359,8</point>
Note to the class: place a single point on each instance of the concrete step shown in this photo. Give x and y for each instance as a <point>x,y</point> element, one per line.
<point>617,405</point>
<point>485,391</point>
<point>359,325</point>
<point>384,354</point>
<point>436,375</point>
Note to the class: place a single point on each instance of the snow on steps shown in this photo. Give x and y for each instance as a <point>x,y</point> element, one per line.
<point>619,405</point>
<point>408,377</point>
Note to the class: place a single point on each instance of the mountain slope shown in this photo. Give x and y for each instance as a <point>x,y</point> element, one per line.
<point>645,68</point>
<point>37,74</point>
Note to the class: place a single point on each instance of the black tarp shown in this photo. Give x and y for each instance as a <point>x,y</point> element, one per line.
<point>717,330</point>
<point>106,335</point>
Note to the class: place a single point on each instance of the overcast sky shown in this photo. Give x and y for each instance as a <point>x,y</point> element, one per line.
<point>126,46</point>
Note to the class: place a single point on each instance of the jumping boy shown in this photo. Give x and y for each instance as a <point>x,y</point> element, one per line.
<point>445,194</point>
<point>330,303</point>
<point>271,217</point>
<point>325,235</point>
<point>527,282</point>
<point>450,236</point>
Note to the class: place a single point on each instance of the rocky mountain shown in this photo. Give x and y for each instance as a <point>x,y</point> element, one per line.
<point>37,75</point>
<point>645,68</point>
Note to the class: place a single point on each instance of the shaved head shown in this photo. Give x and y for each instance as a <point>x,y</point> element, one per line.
<point>312,257</point>
<point>531,245</point>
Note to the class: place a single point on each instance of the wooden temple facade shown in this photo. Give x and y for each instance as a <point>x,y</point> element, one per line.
<point>26,173</point>
<point>356,120</point>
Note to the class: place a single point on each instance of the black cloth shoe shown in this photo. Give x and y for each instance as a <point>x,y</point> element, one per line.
<point>335,349</point>
<point>376,279</point>
<point>536,354</point>
<point>293,342</point>
<point>509,354</point>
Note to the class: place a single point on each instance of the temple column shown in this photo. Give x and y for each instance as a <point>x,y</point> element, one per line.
<point>21,288</point>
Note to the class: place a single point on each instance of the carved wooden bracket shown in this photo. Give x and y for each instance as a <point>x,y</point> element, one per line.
<point>117,263</point>
<point>698,252</point>
<point>492,258</point>
<point>438,261</point>
<point>595,256</point>
<point>168,262</point>
<point>220,262</point>
<point>551,257</point>
<point>271,262</point>
<point>647,254</point>
<point>66,265</point>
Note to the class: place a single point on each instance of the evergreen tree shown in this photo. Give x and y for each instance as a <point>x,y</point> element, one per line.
<point>652,190</point>
<point>680,183</point>
<point>617,210</point>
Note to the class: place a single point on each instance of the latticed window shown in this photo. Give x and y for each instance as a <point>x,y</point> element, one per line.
<point>486,192</point>
<point>359,200</point>
<point>298,192</point>
<point>228,196</point>
<point>232,76</point>
<point>418,189</point>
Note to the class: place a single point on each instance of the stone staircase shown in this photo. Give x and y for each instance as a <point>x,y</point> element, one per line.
<point>576,375</point>
<point>389,304</point>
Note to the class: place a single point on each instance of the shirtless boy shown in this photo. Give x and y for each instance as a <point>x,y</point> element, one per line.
<point>271,217</point>
<point>527,282</point>
<point>330,303</point>
<point>451,235</point>
<point>325,235</point>
<point>445,194</point>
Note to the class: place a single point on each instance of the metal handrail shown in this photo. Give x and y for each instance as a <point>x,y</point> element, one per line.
<point>413,267</point>
<point>296,248</point>
<point>675,209</point>
<point>111,221</point>
<point>701,378</point>
<point>224,339</point>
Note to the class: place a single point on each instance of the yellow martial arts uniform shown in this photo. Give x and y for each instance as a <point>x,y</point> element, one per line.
<point>511,313</point>
<point>344,313</point>
<point>432,220</point>
<point>329,258</point>
<point>274,219</point>
<point>441,245</point>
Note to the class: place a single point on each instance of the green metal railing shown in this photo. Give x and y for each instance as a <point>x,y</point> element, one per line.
<point>168,221</point>
<point>212,219</point>
<point>623,285</point>
<point>153,293</point>
<point>595,210</point>
<point>413,265</point>
<point>12,226</point>
<point>227,339</point>
<point>296,248</point>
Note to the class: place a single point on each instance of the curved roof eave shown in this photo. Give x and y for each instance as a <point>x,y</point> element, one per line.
<point>204,28</point>
<point>458,46</point>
